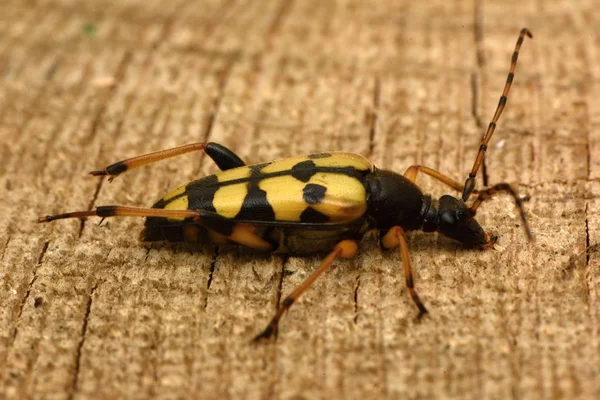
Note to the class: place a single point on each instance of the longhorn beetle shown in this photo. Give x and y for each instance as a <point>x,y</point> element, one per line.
<point>316,203</point>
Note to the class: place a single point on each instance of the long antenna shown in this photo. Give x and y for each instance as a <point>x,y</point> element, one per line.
<point>470,182</point>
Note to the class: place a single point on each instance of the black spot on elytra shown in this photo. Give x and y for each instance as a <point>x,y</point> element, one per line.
<point>319,155</point>
<point>304,170</point>
<point>314,216</point>
<point>313,193</point>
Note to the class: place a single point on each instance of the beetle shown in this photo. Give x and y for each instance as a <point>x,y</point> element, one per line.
<point>323,202</point>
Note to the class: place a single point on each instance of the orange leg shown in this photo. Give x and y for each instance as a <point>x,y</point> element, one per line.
<point>121,211</point>
<point>397,237</point>
<point>413,170</point>
<point>241,233</point>
<point>344,249</point>
<point>222,156</point>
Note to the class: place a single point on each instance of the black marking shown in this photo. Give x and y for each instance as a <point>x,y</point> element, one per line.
<point>116,168</point>
<point>304,170</point>
<point>288,301</point>
<point>502,100</point>
<point>255,208</point>
<point>510,77</point>
<point>162,203</point>
<point>217,223</point>
<point>471,175</point>
<point>201,193</point>
<point>258,175</point>
<point>105,211</point>
<point>483,147</point>
<point>492,125</point>
<point>256,205</point>
<point>223,157</point>
<point>319,155</point>
<point>314,216</point>
<point>162,230</point>
<point>409,283</point>
<point>313,193</point>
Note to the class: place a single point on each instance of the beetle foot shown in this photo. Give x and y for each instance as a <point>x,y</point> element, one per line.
<point>267,334</point>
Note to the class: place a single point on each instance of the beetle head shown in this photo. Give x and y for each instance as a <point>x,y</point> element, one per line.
<point>457,221</point>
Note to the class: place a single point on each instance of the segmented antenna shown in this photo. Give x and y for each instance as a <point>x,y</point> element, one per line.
<point>470,182</point>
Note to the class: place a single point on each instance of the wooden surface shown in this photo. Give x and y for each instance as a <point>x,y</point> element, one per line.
<point>88,312</point>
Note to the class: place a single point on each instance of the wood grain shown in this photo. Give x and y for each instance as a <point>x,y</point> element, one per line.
<point>88,312</point>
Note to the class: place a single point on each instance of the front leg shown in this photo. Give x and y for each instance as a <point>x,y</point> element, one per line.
<point>397,237</point>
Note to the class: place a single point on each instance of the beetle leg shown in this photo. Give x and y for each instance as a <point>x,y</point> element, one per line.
<point>244,234</point>
<point>122,211</point>
<point>221,155</point>
<point>397,237</point>
<point>504,187</point>
<point>413,170</point>
<point>344,249</point>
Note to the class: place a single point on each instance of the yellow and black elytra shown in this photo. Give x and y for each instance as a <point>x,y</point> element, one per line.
<point>322,202</point>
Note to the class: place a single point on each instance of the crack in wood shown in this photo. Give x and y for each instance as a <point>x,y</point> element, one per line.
<point>475,100</point>
<point>481,62</point>
<point>84,331</point>
<point>283,273</point>
<point>167,26</point>
<point>210,276</point>
<point>216,106</point>
<point>90,206</point>
<point>28,292</point>
<point>6,243</point>
<point>587,237</point>
<point>282,12</point>
<point>119,74</point>
<point>374,113</point>
<point>356,287</point>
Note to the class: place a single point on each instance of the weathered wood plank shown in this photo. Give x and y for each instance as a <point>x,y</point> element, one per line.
<point>89,312</point>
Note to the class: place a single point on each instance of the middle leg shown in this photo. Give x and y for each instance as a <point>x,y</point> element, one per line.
<point>344,249</point>
<point>413,170</point>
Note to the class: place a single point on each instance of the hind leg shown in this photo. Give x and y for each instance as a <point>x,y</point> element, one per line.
<point>344,249</point>
<point>221,155</point>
